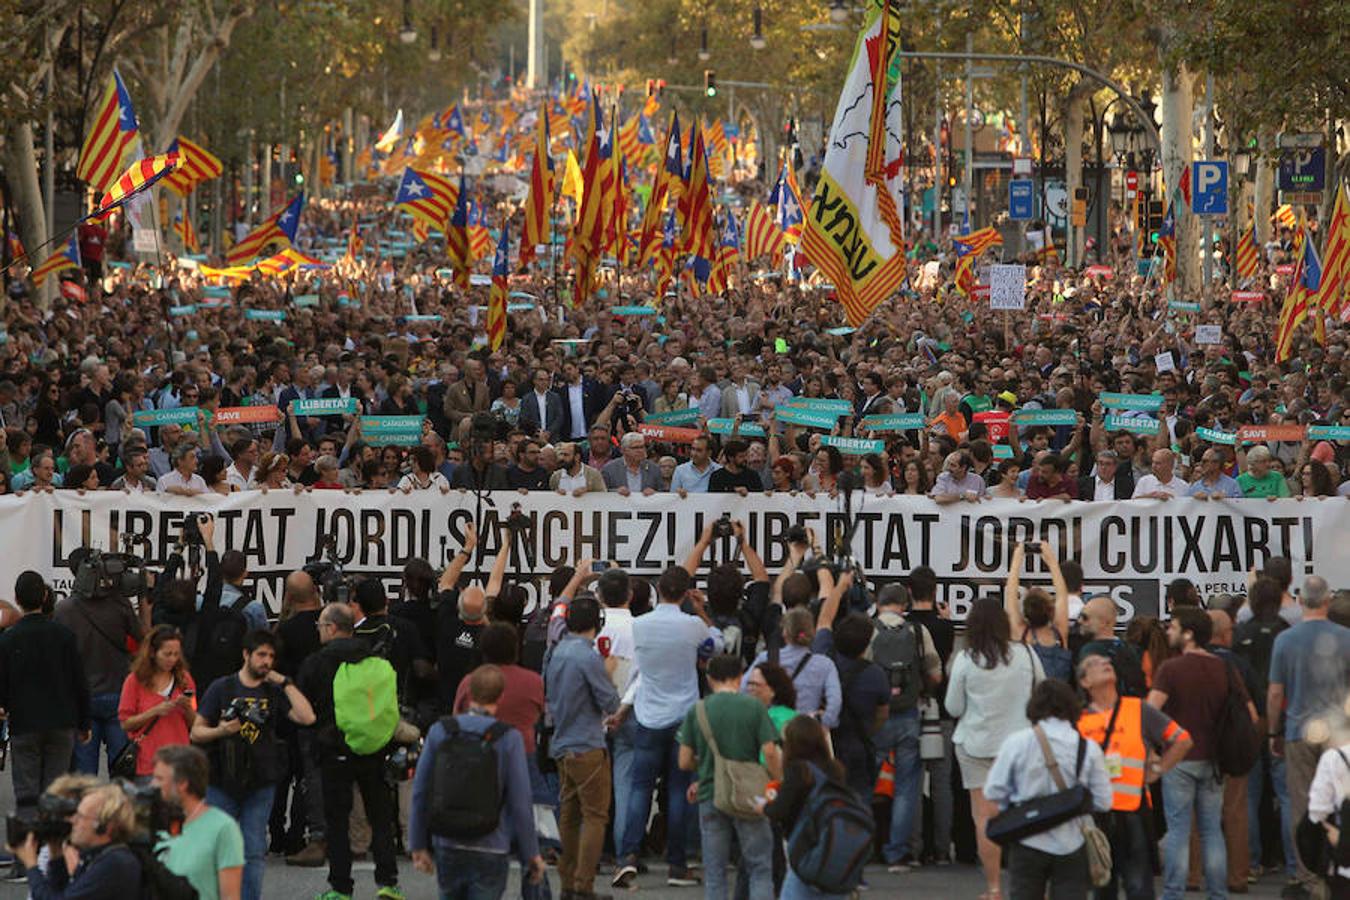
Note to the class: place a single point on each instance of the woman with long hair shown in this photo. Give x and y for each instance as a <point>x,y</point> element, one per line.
<point>876,480</point>
<point>1148,636</point>
<point>271,472</point>
<point>158,696</point>
<point>1035,620</point>
<point>1006,485</point>
<point>914,478</point>
<point>987,690</point>
<point>806,758</point>
<point>1314,480</point>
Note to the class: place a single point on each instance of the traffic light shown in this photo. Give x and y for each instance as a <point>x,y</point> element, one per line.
<point>1153,225</point>
<point>951,181</point>
<point>709,83</point>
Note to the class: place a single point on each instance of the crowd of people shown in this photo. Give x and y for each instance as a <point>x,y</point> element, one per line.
<point>762,715</point>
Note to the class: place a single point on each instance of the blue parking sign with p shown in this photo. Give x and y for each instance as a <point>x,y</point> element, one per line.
<point>1021,199</point>
<point>1209,187</point>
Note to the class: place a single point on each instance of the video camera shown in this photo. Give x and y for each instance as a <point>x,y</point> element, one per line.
<point>402,763</point>
<point>51,822</point>
<point>153,813</point>
<point>248,713</point>
<point>328,574</point>
<point>100,574</point>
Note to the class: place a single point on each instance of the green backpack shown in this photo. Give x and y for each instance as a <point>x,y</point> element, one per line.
<point>365,704</point>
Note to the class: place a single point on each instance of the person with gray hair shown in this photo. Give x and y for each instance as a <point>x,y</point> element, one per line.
<point>1261,478</point>
<point>1310,669</point>
<point>183,479</point>
<point>633,472</point>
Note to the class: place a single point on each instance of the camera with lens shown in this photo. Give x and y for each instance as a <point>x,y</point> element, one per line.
<point>50,823</point>
<point>248,713</point>
<point>722,527</point>
<point>100,574</point>
<point>327,573</point>
<point>153,813</point>
<point>402,763</point>
<point>517,521</point>
<point>192,530</point>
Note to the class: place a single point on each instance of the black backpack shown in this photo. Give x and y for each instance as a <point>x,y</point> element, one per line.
<point>466,788</point>
<point>157,882</point>
<point>897,650</point>
<point>1237,743</point>
<point>215,641</point>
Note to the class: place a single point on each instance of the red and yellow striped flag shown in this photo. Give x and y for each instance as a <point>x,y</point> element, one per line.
<point>1248,254</point>
<point>142,174</point>
<point>594,219</point>
<point>1297,301</point>
<point>496,312</point>
<point>457,238</point>
<point>1331,293</point>
<point>1285,217</point>
<point>279,228</point>
<point>195,165</point>
<point>762,236</point>
<point>696,208</point>
<point>539,203</point>
<point>182,226</point>
<point>111,139</point>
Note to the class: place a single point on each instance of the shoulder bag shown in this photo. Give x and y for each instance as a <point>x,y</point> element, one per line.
<point>736,783</point>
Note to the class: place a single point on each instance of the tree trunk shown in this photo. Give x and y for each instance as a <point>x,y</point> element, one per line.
<point>1073,160</point>
<point>1265,187</point>
<point>181,96</point>
<point>21,165</point>
<point>1178,108</point>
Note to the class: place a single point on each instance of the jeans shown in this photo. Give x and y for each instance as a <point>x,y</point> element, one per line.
<point>900,734</point>
<point>1131,861</point>
<point>1031,872</point>
<point>621,760</point>
<point>585,810</point>
<point>940,795</point>
<point>38,758</point>
<point>251,812</point>
<point>471,875</point>
<point>1189,788</point>
<point>756,838</point>
<point>655,751</point>
<point>106,730</point>
<point>308,764</point>
<point>367,773</point>
<point>796,889</point>
<point>1269,769</point>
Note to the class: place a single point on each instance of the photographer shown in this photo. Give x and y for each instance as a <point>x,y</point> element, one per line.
<point>238,720</point>
<point>95,863</point>
<point>209,851</point>
<point>107,632</point>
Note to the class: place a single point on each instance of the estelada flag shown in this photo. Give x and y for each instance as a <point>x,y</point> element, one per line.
<point>1331,293</point>
<point>496,317</point>
<point>1248,254</point>
<point>110,142</point>
<point>195,165</point>
<point>539,202</point>
<point>68,257</point>
<point>762,236</point>
<point>853,232</point>
<point>1297,302</point>
<point>279,228</point>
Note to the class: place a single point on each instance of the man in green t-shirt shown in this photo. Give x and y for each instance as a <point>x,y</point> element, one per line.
<point>1261,479</point>
<point>209,852</point>
<point>741,729</point>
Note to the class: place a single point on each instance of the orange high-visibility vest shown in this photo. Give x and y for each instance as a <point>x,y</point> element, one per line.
<point>1127,743</point>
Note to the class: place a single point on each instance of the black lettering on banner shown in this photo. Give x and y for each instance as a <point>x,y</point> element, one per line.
<point>226,521</point>
<point>372,537</point>
<point>1307,545</point>
<point>776,525</point>
<point>1286,541</point>
<point>342,528</point>
<point>988,552</point>
<point>1226,553</point>
<point>402,536</point>
<point>582,538</point>
<point>1258,542</point>
<point>866,521</point>
<point>1109,562</point>
<point>1137,545</point>
<point>615,538</point>
<point>1191,551</point>
<point>281,514</point>
<point>895,546</point>
<point>553,538</point>
<point>252,545</point>
<point>653,520</point>
<point>926,522</point>
<point>963,546</point>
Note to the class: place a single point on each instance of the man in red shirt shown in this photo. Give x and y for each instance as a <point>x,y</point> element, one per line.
<point>93,236</point>
<point>1048,481</point>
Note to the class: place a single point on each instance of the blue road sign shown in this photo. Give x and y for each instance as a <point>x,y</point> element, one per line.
<point>1021,199</point>
<point>1209,187</point>
<point>1303,170</point>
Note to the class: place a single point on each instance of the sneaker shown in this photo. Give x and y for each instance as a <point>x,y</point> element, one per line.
<point>389,892</point>
<point>899,868</point>
<point>314,854</point>
<point>331,894</point>
<point>1254,874</point>
<point>682,877</point>
<point>625,877</point>
<point>942,860</point>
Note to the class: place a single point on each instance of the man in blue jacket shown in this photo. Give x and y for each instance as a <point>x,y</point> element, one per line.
<point>481,864</point>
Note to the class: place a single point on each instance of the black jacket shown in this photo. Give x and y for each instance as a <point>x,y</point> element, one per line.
<point>42,683</point>
<point>594,397</point>
<point>110,872</point>
<point>316,683</point>
<point>1124,483</point>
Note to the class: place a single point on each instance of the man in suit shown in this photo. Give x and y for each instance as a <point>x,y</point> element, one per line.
<point>541,408</point>
<point>1110,480</point>
<point>632,472</point>
<point>342,389</point>
<point>874,400</point>
<point>582,400</point>
<point>465,397</point>
<point>740,394</point>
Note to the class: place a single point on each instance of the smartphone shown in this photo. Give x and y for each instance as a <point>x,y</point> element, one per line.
<point>189,693</point>
<point>1032,546</point>
<point>599,566</point>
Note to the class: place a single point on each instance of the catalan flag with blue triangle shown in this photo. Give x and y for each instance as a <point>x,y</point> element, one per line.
<point>68,257</point>
<point>111,141</point>
<point>501,270</point>
<point>279,228</point>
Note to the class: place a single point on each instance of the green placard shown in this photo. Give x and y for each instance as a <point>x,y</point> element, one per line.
<point>324,406</point>
<point>894,422</point>
<point>182,415</point>
<point>1003,451</point>
<point>265,315</point>
<point>808,418</point>
<point>302,300</point>
<point>371,424</point>
<point>674,417</point>
<point>1329,432</point>
<point>215,291</point>
<point>724,426</point>
<point>1183,306</point>
<point>841,331</point>
<point>1217,437</point>
<point>186,309</point>
<point>1136,424</point>
<point>1045,417</point>
<point>1142,402</point>
<point>854,446</point>
<point>820,404</point>
<point>632,311</point>
<point>423,317</point>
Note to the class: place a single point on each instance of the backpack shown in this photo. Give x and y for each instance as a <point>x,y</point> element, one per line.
<point>1237,744</point>
<point>215,640</point>
<point>1056,659</point>
<point>896,650</point>
<point>365,704</point>
<point>832,839</point>
<point>157,882</point>
<point>466,789</point>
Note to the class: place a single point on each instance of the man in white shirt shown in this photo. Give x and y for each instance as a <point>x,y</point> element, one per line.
<point>572,476</point>
<point>616,645</point>
<point>240,472</point>
<point>1161,483</point>
<point>183,478</point>
<point>692,477</point>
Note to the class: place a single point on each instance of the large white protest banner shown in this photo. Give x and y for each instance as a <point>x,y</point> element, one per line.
<point>1129,550</point>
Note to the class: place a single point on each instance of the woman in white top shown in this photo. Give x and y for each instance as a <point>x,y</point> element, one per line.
<point>876,482</point>
<point>987,690</point>
<point>1330,788</point>
<point>1006,486</point>
<point>423,476</point>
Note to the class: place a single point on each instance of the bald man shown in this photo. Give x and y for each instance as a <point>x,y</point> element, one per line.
<point>460,624</point>
<point>1097,623</point>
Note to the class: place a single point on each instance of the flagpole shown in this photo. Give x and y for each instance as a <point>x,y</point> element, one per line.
<point>153,202</point>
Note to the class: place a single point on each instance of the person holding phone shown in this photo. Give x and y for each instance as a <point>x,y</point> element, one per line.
<point>157,703</point>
